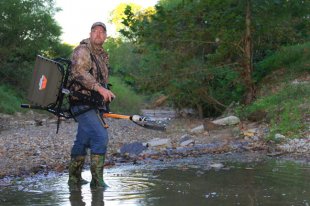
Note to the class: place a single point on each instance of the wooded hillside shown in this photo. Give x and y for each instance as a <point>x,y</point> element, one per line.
<point>200,54</point>
<point>204,54</point>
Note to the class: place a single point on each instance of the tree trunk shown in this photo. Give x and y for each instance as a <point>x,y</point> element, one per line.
<point>248,57</point>
<point>200,111</point>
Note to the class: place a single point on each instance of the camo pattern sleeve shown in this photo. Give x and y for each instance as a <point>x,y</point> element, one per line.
<point>81,68</point>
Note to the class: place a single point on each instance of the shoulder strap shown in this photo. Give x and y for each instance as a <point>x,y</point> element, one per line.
<point>94,59</point>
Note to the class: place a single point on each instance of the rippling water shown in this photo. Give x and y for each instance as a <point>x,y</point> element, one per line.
<point>190,182</point>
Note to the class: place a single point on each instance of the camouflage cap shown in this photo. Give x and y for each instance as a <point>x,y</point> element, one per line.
<point>99,24</point>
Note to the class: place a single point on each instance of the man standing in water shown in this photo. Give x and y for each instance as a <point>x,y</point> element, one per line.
<point>89,78</point>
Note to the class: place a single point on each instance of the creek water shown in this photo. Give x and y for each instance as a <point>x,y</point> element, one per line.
<point>191,181</point>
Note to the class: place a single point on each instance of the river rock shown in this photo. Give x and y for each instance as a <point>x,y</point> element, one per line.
<point>158,142</point>
<point>231,120</point>
<point>209,125</point>
<point>134,148</point>
<point>279,137</point>
<point>187,142</point>
<point>185,137</point>
<point>198,130</point>
<point>217,165</point>
<point>296,145</point>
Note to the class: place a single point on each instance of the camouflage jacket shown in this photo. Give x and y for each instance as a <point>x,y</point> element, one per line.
<point>84,76</point>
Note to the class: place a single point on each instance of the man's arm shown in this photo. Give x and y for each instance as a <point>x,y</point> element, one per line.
<point>108,96</point>
<point>81,65</point>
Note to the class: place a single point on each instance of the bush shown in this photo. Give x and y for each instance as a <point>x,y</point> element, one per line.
<point>9,100</point>
<point>285,110</point>
<point>294,58</point>
<point>212,88</point>
<point>126,101</point>
<point>16,73</point>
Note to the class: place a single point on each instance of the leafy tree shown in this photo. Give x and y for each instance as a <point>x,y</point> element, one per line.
<point>174,53</point>
<point>59,50</point>
<point>249,30</point>
<point>117,14</point>
<point>123,59</point>
<point>187,45</point>
<point>27,27</point>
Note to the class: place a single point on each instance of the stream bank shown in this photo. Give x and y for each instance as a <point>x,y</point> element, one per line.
<point>30,145</point>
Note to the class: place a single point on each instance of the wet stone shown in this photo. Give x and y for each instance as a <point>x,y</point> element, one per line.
<point>133,148</point>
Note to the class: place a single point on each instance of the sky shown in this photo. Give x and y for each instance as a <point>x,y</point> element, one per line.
<point>77,16</point>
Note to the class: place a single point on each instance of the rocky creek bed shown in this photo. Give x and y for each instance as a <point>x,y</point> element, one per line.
<point>29,143</point>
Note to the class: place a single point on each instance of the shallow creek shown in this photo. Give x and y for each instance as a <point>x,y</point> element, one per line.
<point>207,180</point>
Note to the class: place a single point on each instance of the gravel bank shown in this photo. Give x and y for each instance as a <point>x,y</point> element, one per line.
<point>29,143</point>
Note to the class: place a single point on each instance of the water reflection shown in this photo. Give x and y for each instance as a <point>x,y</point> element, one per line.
<point>126,186</point>
<point>76,197</point>
<point>184,183</point>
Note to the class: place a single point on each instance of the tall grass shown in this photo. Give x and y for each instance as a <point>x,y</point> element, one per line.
<point>286,110</point>
<point>126,101</point>
<point>10,100</point>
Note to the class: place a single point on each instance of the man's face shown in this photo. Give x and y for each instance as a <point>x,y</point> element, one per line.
<point>98,35</point>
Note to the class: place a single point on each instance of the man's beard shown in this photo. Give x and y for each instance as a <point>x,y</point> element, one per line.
<point>98,42</point>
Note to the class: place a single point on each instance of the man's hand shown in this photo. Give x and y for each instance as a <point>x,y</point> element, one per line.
<point>108,96</point>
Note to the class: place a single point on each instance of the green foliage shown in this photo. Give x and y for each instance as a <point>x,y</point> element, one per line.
<point>59,50</point>
<point>204,87</point>
<point>123,60</point>
<point>118,14</point>
<point>9,100</point>
<point>279,23</point>
<point>294,59</point>
<point>170,4</point>
<point>126,101</point>
<point>17,73</point>
<point>286,103</point>
<point>286,110</point>
<point>183,41</point>
<point>27,28</point>
<point>224,85</point>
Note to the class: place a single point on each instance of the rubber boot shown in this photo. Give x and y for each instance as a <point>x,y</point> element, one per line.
<point>96,169</point>
<point>75,171</point>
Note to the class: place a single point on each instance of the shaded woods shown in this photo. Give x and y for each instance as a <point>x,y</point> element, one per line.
<point>204,54</point>
<point>198,54</point>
